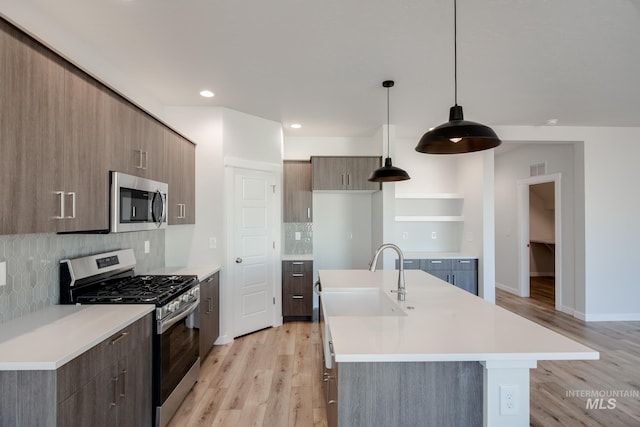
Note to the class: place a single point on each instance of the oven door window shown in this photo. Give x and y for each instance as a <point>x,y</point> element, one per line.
<point>179,347</point>
<point>135,205</point>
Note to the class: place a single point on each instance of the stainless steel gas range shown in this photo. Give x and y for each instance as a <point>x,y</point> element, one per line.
<point>109,278</point>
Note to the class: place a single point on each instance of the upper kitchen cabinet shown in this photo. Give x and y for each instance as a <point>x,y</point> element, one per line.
<point>87,123</point>
<point>180,159</point>
<point>138,143</point>
<point>31,135</point>
<point>297,197</point>
<point>344,173</point>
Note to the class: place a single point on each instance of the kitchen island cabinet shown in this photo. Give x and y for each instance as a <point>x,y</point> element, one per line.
<point>50,376</point>
<point>440,341</point>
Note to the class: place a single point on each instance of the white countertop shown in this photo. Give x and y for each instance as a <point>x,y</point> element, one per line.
<point>202,271</point>
<point>297,257</point>
<point>47,339</point>
<point>446,324</point>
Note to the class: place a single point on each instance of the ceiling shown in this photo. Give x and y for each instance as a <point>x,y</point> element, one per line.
<point>321,63</point>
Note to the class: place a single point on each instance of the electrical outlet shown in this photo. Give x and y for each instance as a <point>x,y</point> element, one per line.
<point>434,235</point>
<point>147,247</point>
<point>509,397</point>
<point>405,235</point>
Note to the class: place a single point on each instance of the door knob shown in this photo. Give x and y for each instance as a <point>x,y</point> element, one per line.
<point>238,260</point>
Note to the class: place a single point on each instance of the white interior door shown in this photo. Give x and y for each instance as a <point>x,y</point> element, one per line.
<point>254,250</point>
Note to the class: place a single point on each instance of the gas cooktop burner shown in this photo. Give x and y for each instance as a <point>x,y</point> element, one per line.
<point>137,289</point>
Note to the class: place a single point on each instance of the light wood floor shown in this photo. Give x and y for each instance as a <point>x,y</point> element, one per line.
<point>272,378</point>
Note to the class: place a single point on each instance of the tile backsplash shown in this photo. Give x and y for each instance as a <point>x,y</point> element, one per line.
<point>32,262</point>
<point>301,246</point>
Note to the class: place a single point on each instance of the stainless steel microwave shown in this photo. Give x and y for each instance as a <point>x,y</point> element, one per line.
<point>137,203</point>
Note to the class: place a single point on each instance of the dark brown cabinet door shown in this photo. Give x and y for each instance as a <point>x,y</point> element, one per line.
<point>209,313</point>
<point>31,134</point>
<point>85,164</point>
<point>297,289</point>
<point>358,171</point>
<point>344,173</point>
<point>297,196</point>
<point>180,160</point>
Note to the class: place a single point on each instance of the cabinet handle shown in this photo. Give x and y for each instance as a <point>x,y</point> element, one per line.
<point>348,179</point>
<point>447,277</point>
<point>61,194</point>
<point>73,205</point>
<point>308,213</point>
<point>139,165</point>
<point>210,305</point>
<point>331,402</point>
<point>461,261</point>
<point>297,275</point>
<point>453,279</point>
<point>124,383</point>
<point>297,263</point>
<point>114,381</point>
<point>408,262</point>
<point>120,337</point>
<point>342,179</point>
<point>297,297</point>
<point>146,160</point>
<point>435,262</point>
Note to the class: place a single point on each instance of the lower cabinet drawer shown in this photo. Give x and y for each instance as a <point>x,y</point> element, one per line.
<point>297,304</point>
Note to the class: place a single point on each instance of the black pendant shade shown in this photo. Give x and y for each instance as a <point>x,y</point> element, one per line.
<point>388,172</point>
<point>458,136</point>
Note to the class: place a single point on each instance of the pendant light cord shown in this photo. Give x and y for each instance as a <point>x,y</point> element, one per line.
<point>388,151</point>
<point>455,51</point>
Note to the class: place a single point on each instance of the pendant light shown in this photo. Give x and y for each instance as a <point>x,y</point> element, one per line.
<point>388,172</point>
<point>457,135</point>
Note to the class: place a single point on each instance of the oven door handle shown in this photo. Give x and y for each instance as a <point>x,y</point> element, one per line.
<point>163,325</point>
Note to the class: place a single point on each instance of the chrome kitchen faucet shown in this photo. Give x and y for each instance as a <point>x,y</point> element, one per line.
<point>372,267</point>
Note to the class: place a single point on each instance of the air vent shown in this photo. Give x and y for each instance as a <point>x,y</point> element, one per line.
<point>538,169</point>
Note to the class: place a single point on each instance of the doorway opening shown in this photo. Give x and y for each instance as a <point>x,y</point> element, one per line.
<point>540,255</point>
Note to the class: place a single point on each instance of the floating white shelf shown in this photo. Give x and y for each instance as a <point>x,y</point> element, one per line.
<point>430,218</point>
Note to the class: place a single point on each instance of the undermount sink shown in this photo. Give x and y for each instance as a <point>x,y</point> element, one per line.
<point>359,302</point>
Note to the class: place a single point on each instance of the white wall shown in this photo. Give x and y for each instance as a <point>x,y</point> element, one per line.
<point>296,148</point>
<point>607,284</point>
<point>188,245</point>
<point>512,166</point>
<point>252,138</point>
<point>222,136</point>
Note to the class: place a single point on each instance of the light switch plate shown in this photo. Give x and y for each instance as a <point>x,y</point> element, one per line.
<point>147,247</point>
<point>3,273</point>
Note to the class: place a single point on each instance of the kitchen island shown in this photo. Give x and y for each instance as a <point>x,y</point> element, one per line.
<point>441,357</point>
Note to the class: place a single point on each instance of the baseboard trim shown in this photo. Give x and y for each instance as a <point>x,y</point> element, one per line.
<point>508,289</point>
<point>611,317</point>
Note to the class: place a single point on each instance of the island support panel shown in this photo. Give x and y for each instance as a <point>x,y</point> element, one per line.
<point>510,373</point>
<point>410,394</point>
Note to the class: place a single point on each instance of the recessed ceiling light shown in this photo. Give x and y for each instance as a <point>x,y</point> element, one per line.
<point>296,126</point>
<point>207,94</point>
<point>552,122</point>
